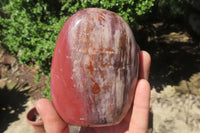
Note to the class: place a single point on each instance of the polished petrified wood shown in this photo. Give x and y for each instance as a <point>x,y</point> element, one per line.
<point>94,69</point>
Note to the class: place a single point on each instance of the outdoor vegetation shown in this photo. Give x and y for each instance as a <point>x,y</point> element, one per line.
<point>29,28</point>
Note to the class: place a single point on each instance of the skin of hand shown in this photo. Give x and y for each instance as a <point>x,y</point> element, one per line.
<point>136,121</point>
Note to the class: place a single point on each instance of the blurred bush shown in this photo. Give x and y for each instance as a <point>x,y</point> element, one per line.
<point>29,28</point>
<point>128,9</point>
<point>172,9</point>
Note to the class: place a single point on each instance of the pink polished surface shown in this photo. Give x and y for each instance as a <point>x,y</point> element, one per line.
<point>94,69</point>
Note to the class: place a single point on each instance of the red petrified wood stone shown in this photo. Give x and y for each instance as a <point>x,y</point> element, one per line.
<point>94,69</point>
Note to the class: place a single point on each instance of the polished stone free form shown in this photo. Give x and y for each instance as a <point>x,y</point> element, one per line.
<point>94,69</point>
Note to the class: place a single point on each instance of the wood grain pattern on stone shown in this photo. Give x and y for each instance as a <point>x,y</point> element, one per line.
<point>94,69</point>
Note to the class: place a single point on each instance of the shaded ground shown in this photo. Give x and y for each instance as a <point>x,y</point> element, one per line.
<point>174,77</point>
<point>20,125</point>
<point>21,75</point>
<point>175,66</point>
<point>12,104</point>
<point>175,54</point>
<point>17,87</point>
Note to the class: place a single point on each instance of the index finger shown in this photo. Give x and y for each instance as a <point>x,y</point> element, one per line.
<point>144,66</point>
<point>140,113</point>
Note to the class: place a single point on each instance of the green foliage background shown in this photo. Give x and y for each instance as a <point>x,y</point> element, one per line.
<point>29,28</point>
<point>173,9</point>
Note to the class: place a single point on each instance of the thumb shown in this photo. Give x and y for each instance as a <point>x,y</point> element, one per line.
<point>52,121</point>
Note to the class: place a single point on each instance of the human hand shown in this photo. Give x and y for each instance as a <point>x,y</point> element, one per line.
<point>136,121</point>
